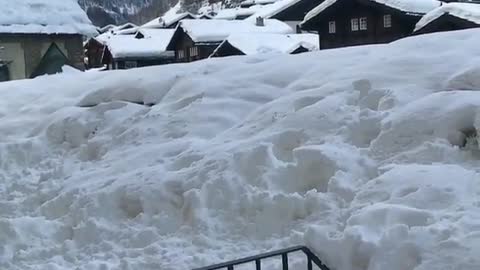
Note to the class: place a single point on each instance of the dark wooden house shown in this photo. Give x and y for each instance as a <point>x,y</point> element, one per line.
<point>94,50</point>
<point>197,39</point>
<point>450,17</point>
<point>146,48</point>
<point>255,44</point>
<point>343,23</point>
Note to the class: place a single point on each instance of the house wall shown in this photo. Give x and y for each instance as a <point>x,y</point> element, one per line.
<point>344,11</point>
<point>183,43</point>
<point>26,51</point>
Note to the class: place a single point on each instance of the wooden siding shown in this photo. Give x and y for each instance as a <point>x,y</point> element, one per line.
<point>32,49</point>
<point>181,42</point>
<point>344,11</point>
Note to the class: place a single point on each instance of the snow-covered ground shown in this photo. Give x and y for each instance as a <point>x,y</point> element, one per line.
<point>365,154</point>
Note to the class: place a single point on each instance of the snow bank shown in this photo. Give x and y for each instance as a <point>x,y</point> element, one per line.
<point>367,154</point>
<point>44,17</point>
<point>466,11</point>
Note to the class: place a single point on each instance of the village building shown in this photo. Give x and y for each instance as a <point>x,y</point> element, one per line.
<point>123,51</point>
<point>40,38</point>
<point>237,13</point>
<point>255,44</point>
<point>450,17</point>
<point>291,12</point>
<point>169,20</point>
<point>343,23</point>
<point>198,39</point>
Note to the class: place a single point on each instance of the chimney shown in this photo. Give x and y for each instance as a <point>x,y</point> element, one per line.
<point>260,21</point>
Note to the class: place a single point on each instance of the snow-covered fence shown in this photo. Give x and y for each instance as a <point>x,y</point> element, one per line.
<point>311,259</point>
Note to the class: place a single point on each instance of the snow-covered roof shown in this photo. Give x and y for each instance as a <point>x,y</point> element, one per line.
<point>219,30</point>
<point>169,18</point>
<point>271,10</point>
<point>233,13</point>
<point>251,44</point>
<point>106,28</point>
<point>153,45</point>
<point>408,6</point>
<point>166,21</point>
<point>44,17</point>
<point>466,11</point>
<point>257,2</point>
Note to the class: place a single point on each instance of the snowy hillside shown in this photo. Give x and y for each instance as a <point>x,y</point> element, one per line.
<point>368,155</point>
<point>103,12</point>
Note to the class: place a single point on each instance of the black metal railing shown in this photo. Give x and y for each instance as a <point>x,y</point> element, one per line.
<point>311,259</point>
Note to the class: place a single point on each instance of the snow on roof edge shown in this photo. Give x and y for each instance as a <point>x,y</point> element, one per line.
<point>466,11</point>
<point>407,6</point>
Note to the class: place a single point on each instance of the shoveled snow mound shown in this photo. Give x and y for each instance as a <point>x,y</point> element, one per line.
<point>369,155</point>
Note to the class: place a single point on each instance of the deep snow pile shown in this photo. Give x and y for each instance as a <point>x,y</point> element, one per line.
<point>368,155</point>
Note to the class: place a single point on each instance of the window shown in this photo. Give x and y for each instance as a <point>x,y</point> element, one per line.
<point>354,24</point>
<point>332,27</point>
<point>193,51</point>
<point>363,23</point>
<point>181,54</point>
<point>387,21</point>
<point>130,64</point>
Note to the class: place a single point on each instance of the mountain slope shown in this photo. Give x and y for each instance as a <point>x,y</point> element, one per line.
<point>103,12</point>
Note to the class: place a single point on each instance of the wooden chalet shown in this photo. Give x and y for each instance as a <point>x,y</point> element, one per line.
<point>343,23</point>
<point>255,44</point>
<point>450,17</point>
<point>146,48</point>
<point>198,39</point>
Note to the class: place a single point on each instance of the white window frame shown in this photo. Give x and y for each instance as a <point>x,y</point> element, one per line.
<point>387,21</point>
<point>181,54</point>
<point>194,51</point>
<point>363,22</point>
<point>354,25</point>
<point>332,27</point>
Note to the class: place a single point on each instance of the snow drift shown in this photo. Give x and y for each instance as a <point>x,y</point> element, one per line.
<point>369,155</point>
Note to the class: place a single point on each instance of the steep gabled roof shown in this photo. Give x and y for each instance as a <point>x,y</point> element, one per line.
<point>465,11</point>
<point>44,17</point>
<point>153,44</point>
<point>219,30</point>
<point>234,13</point>
<point>414,7</point>
<point>260,43</point>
